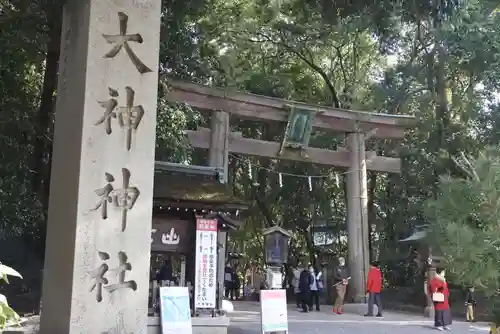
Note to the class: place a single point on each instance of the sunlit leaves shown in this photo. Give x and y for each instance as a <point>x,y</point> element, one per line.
<point>171,121</point>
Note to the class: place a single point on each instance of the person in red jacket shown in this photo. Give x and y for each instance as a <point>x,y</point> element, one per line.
<point>373,289</point>
<point>438,290</point>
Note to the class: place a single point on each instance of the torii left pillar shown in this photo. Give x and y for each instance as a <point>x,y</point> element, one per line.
<point>357,218</point>
<point>218,156</point>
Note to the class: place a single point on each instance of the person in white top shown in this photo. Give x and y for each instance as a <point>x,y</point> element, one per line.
<point>295,284</point>
<point>316,285</point>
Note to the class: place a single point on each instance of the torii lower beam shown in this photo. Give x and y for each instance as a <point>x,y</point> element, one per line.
<point>261,148</point>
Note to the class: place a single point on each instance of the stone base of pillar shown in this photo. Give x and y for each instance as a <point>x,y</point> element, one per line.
<point>200,325</point>
<point>359,300</point>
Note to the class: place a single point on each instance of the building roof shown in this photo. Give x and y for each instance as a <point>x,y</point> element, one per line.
<point>196,187</point>
<point>419,234</point>
<point>226,222</point>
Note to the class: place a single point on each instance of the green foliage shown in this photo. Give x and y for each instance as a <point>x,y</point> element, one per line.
<point>8,317</point>
<point>465,221</point>
<point>19,94</point>
<point>465,224</point>
<point>171,121</point>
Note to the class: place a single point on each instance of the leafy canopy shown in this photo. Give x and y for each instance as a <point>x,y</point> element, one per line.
<point>465,220</point>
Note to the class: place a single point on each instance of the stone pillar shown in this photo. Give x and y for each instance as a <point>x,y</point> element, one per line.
<point>221,264</point>
<point>96,275</point>
<point>357,217</point>
<point>218,157</point>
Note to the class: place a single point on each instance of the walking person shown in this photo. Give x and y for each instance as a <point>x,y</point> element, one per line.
<point>229,282</point>
<point>373,289</point>
<point>340,277</point>
<point>470,304</point>
<point>237,285</point>
<point>305,281</point>
<point>314,286</point>
<point>438,290</point>
<point>295,284</point>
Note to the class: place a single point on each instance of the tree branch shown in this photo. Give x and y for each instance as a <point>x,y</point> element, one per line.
<point>310,62</point>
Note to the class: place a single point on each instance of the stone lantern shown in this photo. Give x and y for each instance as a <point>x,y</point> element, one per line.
<point>276,254</point>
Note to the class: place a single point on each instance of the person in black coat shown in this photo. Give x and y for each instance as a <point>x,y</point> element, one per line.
<point>305,281</point>
<point>229,276</point>
<point>470,304</point>
<point>165,273</point>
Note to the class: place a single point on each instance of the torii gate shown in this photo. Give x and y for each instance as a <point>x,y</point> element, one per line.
<point>359,126</point>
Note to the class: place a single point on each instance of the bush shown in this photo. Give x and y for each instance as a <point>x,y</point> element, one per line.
<point>8,316</point>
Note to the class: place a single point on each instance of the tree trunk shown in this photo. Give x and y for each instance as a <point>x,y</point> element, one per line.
<point>440,96</point>
<point>442,112</point>
<point>44,118</point>
<point>309,245</point>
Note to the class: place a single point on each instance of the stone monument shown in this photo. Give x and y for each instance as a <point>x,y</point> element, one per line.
<point>99,222</point>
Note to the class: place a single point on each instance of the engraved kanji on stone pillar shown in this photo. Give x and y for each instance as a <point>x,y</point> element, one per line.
<point>129,117</point>
<point>124,197</point>
<point>122,41</point>
<point>99,281</point>
<point>123,267</point>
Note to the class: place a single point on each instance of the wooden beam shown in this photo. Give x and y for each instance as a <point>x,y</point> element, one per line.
<point>261,148</point>
<point>251,106</point>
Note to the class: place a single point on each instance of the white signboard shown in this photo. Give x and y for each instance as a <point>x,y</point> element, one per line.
<point>273,311</point>
<point>175,312</point>
<point>206,263</point>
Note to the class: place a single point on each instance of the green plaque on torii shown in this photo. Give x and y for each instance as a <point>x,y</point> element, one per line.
<point>298,129</point>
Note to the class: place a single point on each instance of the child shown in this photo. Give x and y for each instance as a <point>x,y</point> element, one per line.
<point>470,303</point>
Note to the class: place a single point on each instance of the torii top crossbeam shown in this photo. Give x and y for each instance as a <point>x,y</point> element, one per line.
<point>251,106</point>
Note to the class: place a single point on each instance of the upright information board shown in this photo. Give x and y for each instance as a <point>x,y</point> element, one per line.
<point>273,311</point>
<point>205,281</point>
<point>175,312</point>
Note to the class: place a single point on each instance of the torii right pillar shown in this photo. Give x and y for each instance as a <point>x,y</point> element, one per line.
<point>357,218</point>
